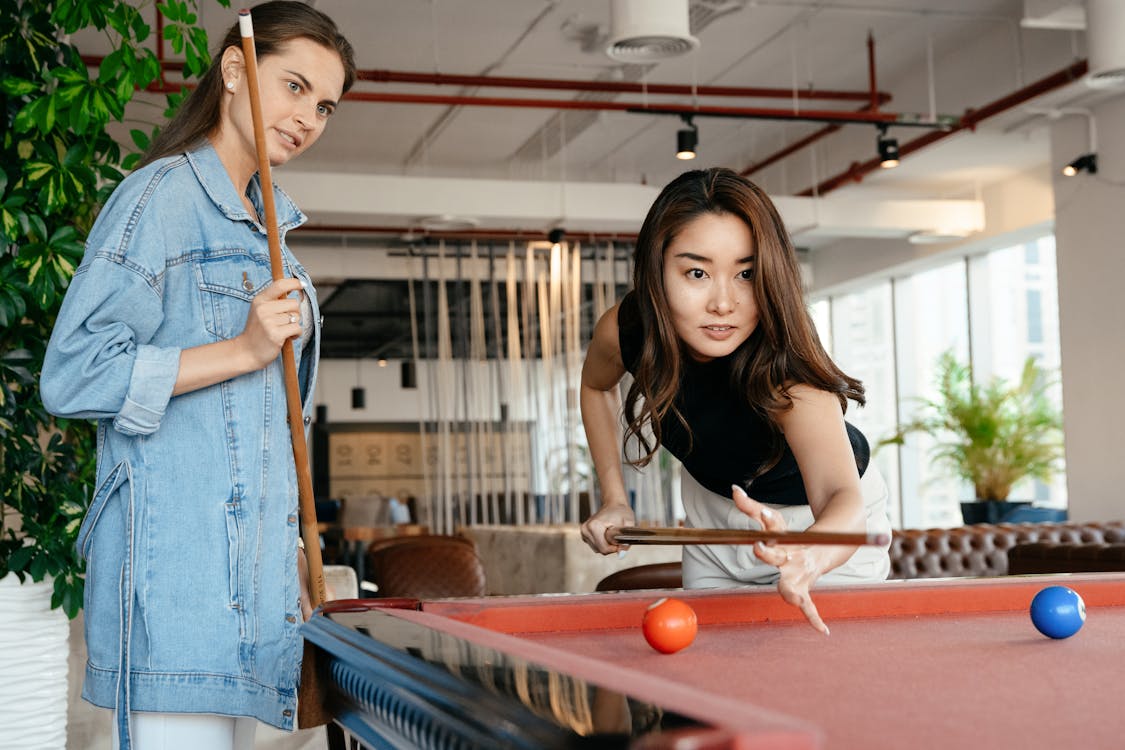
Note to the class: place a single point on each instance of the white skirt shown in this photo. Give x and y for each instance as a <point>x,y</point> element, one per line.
<point>728,566</point>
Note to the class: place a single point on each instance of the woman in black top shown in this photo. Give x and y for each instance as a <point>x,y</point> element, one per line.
<point>730,377</point>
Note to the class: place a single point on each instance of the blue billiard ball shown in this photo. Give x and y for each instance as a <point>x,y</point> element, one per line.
<point>1058,612</point>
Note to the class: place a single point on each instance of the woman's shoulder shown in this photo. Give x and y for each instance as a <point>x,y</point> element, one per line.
<point>142,201</point>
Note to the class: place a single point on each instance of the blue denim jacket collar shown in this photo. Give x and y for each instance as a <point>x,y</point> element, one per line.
<point>220,189</point>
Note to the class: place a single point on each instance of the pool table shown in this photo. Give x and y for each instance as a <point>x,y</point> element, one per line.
<point>943,663</point>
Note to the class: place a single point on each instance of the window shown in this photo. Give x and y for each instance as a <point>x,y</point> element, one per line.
<point>863,347</point>
<point>1015,315</point>
<point>930,317</point>
<point>1000,307</point>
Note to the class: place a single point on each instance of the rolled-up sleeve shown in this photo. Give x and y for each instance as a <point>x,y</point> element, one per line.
<point>99,362</point>
<point>150,388</point>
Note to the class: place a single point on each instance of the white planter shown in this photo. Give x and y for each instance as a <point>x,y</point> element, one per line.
<point>33,666</point>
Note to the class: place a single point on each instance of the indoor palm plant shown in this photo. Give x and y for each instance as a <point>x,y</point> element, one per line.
<point>991,434</point>
<point>58,163</point>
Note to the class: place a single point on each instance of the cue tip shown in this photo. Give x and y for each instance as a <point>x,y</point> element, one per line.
<point>245,25</point>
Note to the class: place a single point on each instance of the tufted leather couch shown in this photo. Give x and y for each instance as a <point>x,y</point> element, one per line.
<point>1066,557</point>
<point>983,549</point>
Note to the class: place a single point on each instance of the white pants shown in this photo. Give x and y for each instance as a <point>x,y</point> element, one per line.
<point>727,566</point>
<point>189,732</point>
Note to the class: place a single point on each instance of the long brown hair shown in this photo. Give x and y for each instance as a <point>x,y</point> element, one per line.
<point>275,23</point>
<point>784,350</point>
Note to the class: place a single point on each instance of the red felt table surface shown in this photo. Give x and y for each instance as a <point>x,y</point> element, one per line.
<point>949,664</point>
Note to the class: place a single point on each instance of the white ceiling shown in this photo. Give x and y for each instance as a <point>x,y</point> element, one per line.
<point>938,57</point>
<point>383,168</point>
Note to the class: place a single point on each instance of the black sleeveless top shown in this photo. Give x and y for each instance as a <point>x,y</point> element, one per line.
<point>728,440</point>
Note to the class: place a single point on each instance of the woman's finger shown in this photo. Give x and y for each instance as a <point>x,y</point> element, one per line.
<point>767,518</point>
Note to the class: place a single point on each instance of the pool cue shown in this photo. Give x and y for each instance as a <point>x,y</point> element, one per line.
<point>645,535</point>
<point>310,704</point>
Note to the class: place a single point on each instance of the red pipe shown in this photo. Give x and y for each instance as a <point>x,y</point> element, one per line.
<point>559,84</point>
<point>970,119</point>
<point>822,115</point>
<point>160,44</point>
<point>476,234</point>
<point>619,87</point>
<point>874,103</point>
<point>827,130</point>
<point>791,148</point>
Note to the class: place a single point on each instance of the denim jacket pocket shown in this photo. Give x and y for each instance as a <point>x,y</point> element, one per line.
<point>227,285</point>
<point>234,543</point>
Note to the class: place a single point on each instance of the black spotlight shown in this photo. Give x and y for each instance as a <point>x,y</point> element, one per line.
<point>408,374</point>
<point>555,236</point>
<point>359,398</point>
<point>1084,163</point>
<point>888,149</point>
<point>686,140</point>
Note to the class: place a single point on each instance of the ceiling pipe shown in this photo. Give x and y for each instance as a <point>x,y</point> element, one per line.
<point>560,84</point>
<point>824,115</point>
<point>463,234</point>
<point>863,117</point>
<point>969,120</point>
<point>827,130</point>
<point>617,87</point>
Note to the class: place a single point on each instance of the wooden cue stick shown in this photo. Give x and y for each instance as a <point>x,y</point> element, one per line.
<point>645,535</point>
<point>310,534</point>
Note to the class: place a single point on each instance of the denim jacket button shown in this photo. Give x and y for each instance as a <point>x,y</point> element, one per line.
<point>287,713</point>
<point>290,618</point>
<point>308,421</point>
<point>292,518</point>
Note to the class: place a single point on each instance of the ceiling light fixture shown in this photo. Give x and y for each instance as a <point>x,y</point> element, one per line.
<point>687,139</point>
<point>888,149</point>
<point>1084,163</point>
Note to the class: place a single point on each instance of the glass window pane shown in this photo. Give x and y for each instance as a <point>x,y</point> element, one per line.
<point>863,347</point>
<point>1015,316</point>
<point>930,318</point>
<point>822,319</point>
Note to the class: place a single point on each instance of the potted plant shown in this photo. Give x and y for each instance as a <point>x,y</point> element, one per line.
<point>992,434</point>
<point>58,163</point>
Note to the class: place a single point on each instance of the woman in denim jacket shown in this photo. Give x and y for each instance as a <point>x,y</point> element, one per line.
<point>169,336</point>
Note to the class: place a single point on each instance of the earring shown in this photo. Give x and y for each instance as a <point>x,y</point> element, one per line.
<point>230,85</point>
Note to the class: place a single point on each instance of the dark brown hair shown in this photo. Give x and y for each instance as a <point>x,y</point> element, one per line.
<point>784,350</point>
<point>275,23</point>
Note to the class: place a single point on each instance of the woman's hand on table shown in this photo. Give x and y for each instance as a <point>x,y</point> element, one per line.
<point>609,516</point>
<point>798,567</point>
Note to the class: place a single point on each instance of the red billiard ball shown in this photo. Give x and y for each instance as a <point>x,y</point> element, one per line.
<point>669,625</point>
<point>1058,612</point>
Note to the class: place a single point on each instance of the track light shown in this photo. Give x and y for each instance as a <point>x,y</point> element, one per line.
<point>888,149</point>
<point>686,140</point>
<point>1084,163</point>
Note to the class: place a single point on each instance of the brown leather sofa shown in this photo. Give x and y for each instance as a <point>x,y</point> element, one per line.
<point>1066,557</point>
<point>983,549</point>
<point>977,550</point>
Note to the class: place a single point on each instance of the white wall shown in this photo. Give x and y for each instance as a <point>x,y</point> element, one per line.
<point>1089,227</point>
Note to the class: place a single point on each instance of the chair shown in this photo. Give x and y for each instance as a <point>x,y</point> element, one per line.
<point>425,566</point>
<point>666,575</point>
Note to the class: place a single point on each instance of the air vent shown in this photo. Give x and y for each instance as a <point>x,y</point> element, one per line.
<point>1105,28</point>
<point>649,30</point>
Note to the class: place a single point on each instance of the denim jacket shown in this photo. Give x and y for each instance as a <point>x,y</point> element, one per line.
<point>191,537</point>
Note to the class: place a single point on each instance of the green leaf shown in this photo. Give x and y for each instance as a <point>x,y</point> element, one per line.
<point>20,558</point>
<point>140,138</point>
<point>18,86</point>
